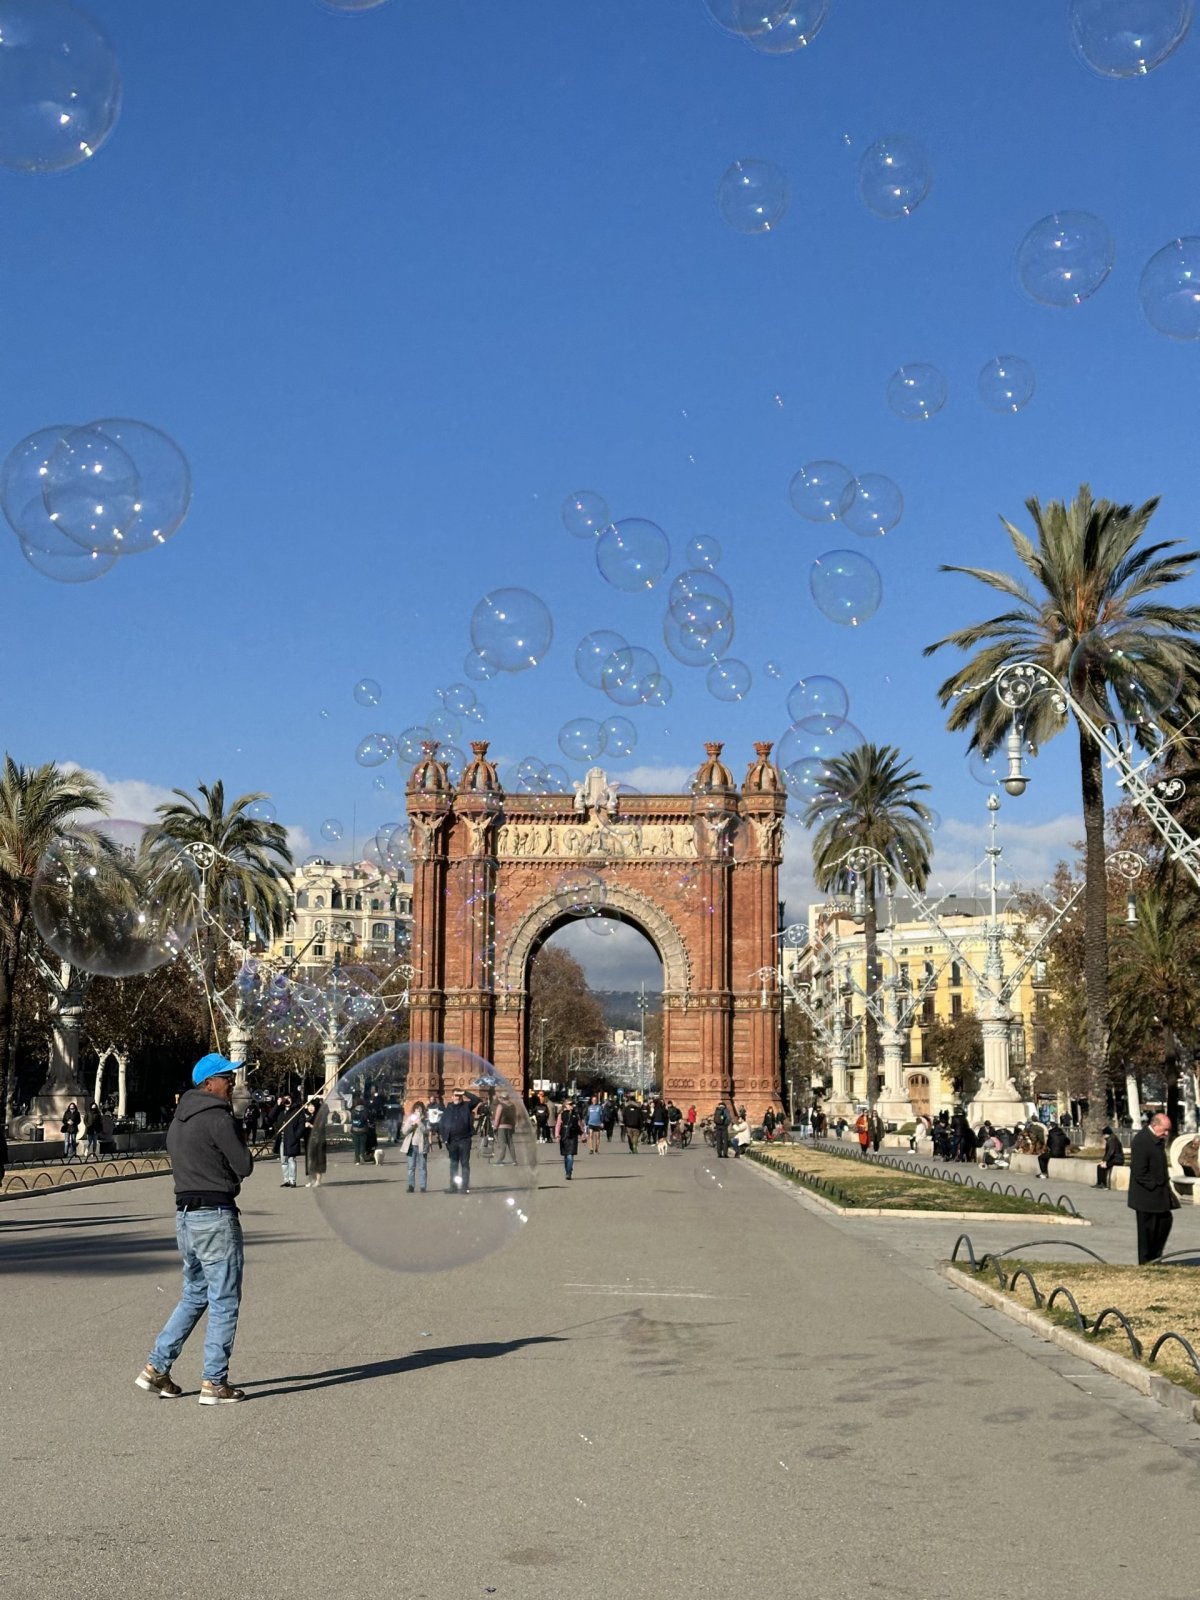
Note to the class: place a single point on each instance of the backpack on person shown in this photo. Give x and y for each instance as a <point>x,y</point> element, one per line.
<point>721,1116</point>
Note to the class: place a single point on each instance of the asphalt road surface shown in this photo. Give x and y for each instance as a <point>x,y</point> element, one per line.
<point>680,1380</point>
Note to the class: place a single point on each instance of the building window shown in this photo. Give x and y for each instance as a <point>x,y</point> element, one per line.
<point>302,900</point>
<point>927,971</point>
<point>319,925</point>
<point>319,902</point>
<point>928,1015</point>
<point>955,975</point>
<point>289,951</point>
<point>318,951</point>
<point>381,932</point>
<point>956,1009</point>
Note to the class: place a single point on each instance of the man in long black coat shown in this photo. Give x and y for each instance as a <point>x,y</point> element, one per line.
<point>1150,1188</point>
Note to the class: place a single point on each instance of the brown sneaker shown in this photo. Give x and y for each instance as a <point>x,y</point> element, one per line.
<point>156,1382</point>
<point>219,1394</point>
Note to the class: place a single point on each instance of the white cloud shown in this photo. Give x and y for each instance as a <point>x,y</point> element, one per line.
<point>132,799</point>
<point>659,780</point>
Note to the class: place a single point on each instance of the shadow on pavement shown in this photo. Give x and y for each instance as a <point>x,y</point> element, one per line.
<point>104,1255</point>
<point>301,1383</point>
<point>41,1225</point>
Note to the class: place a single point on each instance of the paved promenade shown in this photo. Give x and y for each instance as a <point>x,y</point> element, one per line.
<point>682,1380</point>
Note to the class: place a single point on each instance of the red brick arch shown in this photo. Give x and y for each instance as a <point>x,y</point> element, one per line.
<point>697,873</point>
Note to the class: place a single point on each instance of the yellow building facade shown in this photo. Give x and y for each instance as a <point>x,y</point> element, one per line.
<point>353,912</point>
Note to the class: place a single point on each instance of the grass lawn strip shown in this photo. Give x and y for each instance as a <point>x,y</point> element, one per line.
<point>1154,1299</point>
<point>861,1186</point>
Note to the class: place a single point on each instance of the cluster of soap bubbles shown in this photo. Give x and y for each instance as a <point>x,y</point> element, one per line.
<point>917,391</point>
<point>894,177</point>
<point>116,898</point>
<point>80,498</point>
<point>584,739</point>
<point>772,27</point>
<point>370,1208</point>
<point>819,729</point>
<point>60,86</point>
<point>287,1009</point>
<point>869,504</point>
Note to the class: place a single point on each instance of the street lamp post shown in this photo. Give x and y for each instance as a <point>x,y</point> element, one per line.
<point>542,1021</point>
<point>642,1003</point>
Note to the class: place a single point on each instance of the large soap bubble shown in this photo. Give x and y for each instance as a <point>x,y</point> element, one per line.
<point>753,195</point>
<point>632,554</point>
<point>846,586</point>
<point>374,750</point>
<point>367,692</point>
<point>699,596</point>
<point>916,391</point>
<point>1169,290</point>
<point>22,482</point>
<point>894,176</point>
<point>1064,258</point>
<point>1128,38</point>
<point>818,696</point>
<point>592,654</point>
<point>512,628</point>
<point>332,830</point>
<point>620,736</point>
<point>728,680</point>
<point>1006,383</point>
<point>746,18</point>
<point>91,490</point>
<point>820,489</point>
<point>805,751</point>
<point>369,1207</point>
<point>68,563</point>
<point>798,26</point>
<point>164,479</point>
<point>875,506</point>
<point>116,899</point>
<point>60,86</point>
<point>631,677</point>
<point>584,513</point>
<point>581,739</point>
<point>698,643</point>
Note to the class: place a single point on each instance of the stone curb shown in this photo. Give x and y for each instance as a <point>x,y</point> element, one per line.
<point>56,1185</point>
<point>924,1216</point>
<point>1173,1396</point>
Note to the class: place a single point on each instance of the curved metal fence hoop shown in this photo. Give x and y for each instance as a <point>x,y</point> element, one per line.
<point>1135,1344</point>
<point>1061,1289</point>
<point>1065,1200</point>
<point>1069,1244</point>
<point>1177,1338</point>
<point>1024,1272</point>
<point>965,1238</point>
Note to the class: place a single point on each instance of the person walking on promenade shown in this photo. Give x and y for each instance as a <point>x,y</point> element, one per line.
<point>1114,1156</point>
<point>595,1124</point>
<point>456,1127</point>
<point>862,1128</point>
<point>504,1126</point>
<point>610,1118</point>
<point>361,1127</point>
<point>316,1120</point>
<point>414,1143</point>
<point>208,1162</point>
<point>93,1127</point>
<point>434,1112</point>
<point>290,1131</point>
<point>632,1117</point>
<point>568,1135</point>
<point>542,1118</point>
<point>70,1131</point>
<point>1150,1188</point>
<point>875,1122</point>
<point>720,1120</point>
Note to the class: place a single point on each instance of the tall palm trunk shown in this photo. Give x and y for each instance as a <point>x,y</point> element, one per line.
<point>10,962</point>
<point>1095,934</point>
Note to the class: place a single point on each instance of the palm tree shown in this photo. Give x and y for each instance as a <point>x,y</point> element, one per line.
<point>1153,980</point>
<point>37,806</point>
<point>245,871</point>
<point>1095,620</point>
<point>868,797</point>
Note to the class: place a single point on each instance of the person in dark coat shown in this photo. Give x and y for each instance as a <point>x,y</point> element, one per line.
<point>1114,1156</point>
<point>316,1122</point>
<point>291,1143</point>
<point>568,1136</point>
<point>457,1124</point>
<point>1150,1188</point>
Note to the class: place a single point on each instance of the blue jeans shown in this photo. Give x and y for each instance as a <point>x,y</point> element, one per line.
<point>418,1167</point>
<point>210,1242</point>
<point>288,1166</point>
<point>568,1162</point>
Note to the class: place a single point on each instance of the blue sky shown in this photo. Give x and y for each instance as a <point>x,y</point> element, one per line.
<point>400,282</point>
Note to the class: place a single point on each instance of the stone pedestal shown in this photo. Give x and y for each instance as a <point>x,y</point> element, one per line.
<point>999,1103</point>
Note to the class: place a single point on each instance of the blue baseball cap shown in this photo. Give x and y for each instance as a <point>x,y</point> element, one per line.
<point>212,1066</point>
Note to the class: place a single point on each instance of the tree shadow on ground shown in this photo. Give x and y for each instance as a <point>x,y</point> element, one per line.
<point>41,1224</point>
<point>81,1254</point>
<point>440,1355</point>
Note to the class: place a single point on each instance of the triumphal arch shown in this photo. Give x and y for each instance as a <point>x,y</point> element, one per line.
<point>495,874</point>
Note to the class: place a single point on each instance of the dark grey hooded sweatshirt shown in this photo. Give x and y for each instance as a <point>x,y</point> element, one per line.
<point>207,1154</point>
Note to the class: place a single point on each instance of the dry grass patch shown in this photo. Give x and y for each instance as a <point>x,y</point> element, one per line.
<point>1154,1299</point>
<point>861,1185</point>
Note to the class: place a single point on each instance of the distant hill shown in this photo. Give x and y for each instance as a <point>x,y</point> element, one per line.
<point>620,1006</point>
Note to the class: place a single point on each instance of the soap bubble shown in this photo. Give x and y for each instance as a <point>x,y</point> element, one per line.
<point>60,86</point>
<point>630,676</point>
<point>374,750</point>
<point>1128,38</point>
<point>600,926</point>
<point>585,513</point>
<point>620,736</point>
<point>632,554</point>
<point>592,653</point>
<point>916,392</point>
<point>68,564</point>
<point>581,739</point>
<point>657,689</point>
<point>986,770</point>
<point>728,680</point>
<point>704,551</point>
<point>1106,670</point>
<point>477,667</point>
<point>115,898</point>
<point>352,7</point>
<point>875,506</point>
<point>512,628</point>
<point>261,810</point>
<point>331,830</point>
<point>894,176</point>
<point>699,596</point>
<point>698,644</point>
<point>455,761</point>
<point>368,1206</point>
<point>746,17</point>
<point>818,696</point>
<point>22,481</point>
<point>820,489</point>
<point>772,669</point>
<point>1006,383</point>
<point>799,26</point>
<point>847,587</point>
<point>805,751</point>
<point>1170,289</point>
<point>555,779</point>
<point>163,479</point>
<point>444,724</point>
<point>579,891</point>
<point>459,699</point>
<point>409,744</point>
<point>1064,258</point>
<point>367,692</point>
<point>753,195</point>
<point>91,489</point>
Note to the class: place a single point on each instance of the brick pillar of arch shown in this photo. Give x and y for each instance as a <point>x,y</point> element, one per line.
<point>427,1009</point>
<point>756,1013</point>
<point>469,927</point>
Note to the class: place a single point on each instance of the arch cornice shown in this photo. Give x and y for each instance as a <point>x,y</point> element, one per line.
<point>637,908</point>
